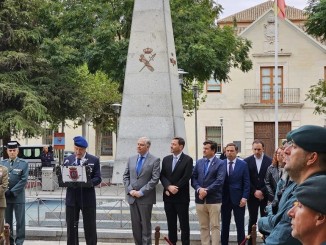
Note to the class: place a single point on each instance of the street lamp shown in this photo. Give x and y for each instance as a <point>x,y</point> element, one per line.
<point>116,108</point>
<point>181,72</point>
<point>221,123</point>
<point>195,93</point>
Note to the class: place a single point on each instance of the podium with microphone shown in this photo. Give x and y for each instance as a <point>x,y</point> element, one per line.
<point>74,176</point>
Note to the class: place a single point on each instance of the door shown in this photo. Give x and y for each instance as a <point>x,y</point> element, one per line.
<point>265,131</point>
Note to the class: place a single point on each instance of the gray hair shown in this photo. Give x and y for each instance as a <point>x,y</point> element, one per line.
<point>147,140</point>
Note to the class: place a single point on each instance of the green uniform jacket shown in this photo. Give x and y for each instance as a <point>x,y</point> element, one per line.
<point>17,175</point>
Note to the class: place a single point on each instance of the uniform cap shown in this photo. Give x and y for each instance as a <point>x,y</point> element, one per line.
<point>312,193</point>
<point>12,145</point>
<point>311,138</point>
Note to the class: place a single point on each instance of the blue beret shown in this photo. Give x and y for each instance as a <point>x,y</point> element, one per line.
<point>312,193</point>
<point>309,137</point>
<point>80,142</point>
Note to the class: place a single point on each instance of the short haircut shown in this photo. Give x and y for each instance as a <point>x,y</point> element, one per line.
<point>322,161</point>
<point>258,142</point>
<point>212,143</point>
<point>147,140</point>
<point>180,140</point>
<point>232,144</point>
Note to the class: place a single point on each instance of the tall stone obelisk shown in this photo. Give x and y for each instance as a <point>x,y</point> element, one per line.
<point>152,103</point>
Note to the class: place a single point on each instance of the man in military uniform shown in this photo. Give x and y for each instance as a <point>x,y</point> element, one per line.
<point>305,157</point>
<point>3,188</point>
<point>308,213</point>
<point>82,198</point>
<point>15,194</point>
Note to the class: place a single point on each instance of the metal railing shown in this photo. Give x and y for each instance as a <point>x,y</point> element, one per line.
<point>259,96</point>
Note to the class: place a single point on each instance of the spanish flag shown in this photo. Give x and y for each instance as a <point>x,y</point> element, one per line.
<point>281,8</point>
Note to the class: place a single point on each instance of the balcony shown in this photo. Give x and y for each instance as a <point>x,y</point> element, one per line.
<point>258,98</point>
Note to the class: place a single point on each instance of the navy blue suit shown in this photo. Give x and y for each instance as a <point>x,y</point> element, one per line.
<point>257,182</point>
<point>84,199</point>
<point>236,186</point>
<point>212,181</point>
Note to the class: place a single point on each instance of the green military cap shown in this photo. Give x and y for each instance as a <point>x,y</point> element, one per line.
<point>311,138</point>
<point>312,193</point>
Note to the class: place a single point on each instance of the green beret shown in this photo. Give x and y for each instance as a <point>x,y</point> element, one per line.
<point>309,137</point>
<point>312,193</point>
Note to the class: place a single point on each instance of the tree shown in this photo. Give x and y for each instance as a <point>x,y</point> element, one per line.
<point>316,22</point>
<point>317,94</point>
<point>22,69</point>
<point>316,26</point>
<point>98,94</point>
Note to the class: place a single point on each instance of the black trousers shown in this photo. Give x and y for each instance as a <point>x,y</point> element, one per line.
<point>89,220</point>
<point>239,215</point>
<point>181,211</point>
<point>253,205</point>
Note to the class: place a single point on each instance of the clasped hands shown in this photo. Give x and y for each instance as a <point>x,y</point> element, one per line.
<point>259,195</point>
<point>202,192</point>
<point>135,193</point>
<point>172,189</point>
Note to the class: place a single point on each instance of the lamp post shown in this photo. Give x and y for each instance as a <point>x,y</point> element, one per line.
<point>116,108</point>
<point>195,93</point>
<point>181,72</point>
<point>221,123</point>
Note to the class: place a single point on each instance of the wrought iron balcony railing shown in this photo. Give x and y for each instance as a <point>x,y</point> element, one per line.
<point>260,96</point>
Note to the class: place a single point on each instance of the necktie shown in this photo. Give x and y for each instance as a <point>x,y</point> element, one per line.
<point>11,163</point>
<point>175,159</point>
<point>139,164</point>
<point>206,166</point>
<point>78,162</point>
<point>230,168</point>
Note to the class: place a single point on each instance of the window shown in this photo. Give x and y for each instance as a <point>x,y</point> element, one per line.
<point>267,84</point>
<point>47,137</point>
<point>106,144</point>
<point>214,133</point>
<point>213,85</point>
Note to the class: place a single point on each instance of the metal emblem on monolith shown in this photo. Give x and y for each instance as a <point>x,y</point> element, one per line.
<point>152,104</point>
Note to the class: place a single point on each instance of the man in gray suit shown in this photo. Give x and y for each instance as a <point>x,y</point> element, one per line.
<point>140,179</point>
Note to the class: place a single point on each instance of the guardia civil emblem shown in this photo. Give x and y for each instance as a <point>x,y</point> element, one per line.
<point>146,58</point>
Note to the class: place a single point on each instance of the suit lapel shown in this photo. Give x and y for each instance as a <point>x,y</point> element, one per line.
<point>145,162</point>
<point>178,162</point>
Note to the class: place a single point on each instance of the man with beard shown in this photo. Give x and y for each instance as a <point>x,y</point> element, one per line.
<point>305,158</point>
<point>175,175</point>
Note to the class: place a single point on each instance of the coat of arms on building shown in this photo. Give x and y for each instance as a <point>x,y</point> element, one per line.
<point>269,34</point>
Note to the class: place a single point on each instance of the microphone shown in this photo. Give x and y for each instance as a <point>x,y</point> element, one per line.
<point>66,162</point>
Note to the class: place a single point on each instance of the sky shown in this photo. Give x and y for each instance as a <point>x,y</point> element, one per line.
<point>234,6</point>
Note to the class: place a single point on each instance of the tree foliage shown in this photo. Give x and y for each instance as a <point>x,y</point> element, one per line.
<point>65,59</point>
<point>316,22</point>
<point>22,69</point>
<point>317,94</point>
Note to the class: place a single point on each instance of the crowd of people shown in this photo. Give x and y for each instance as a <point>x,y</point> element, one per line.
<point>285,195</point>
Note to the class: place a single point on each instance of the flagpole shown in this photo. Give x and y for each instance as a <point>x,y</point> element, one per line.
<point>276,74</point>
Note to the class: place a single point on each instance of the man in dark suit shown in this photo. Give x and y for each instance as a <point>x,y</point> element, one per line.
<point>175,175</point>
<point>257,164</point>
<point>207,180</point>
<point>15,194</point>
<point>140,179</point>
<point>82,198</point>
<point>236,190</point>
